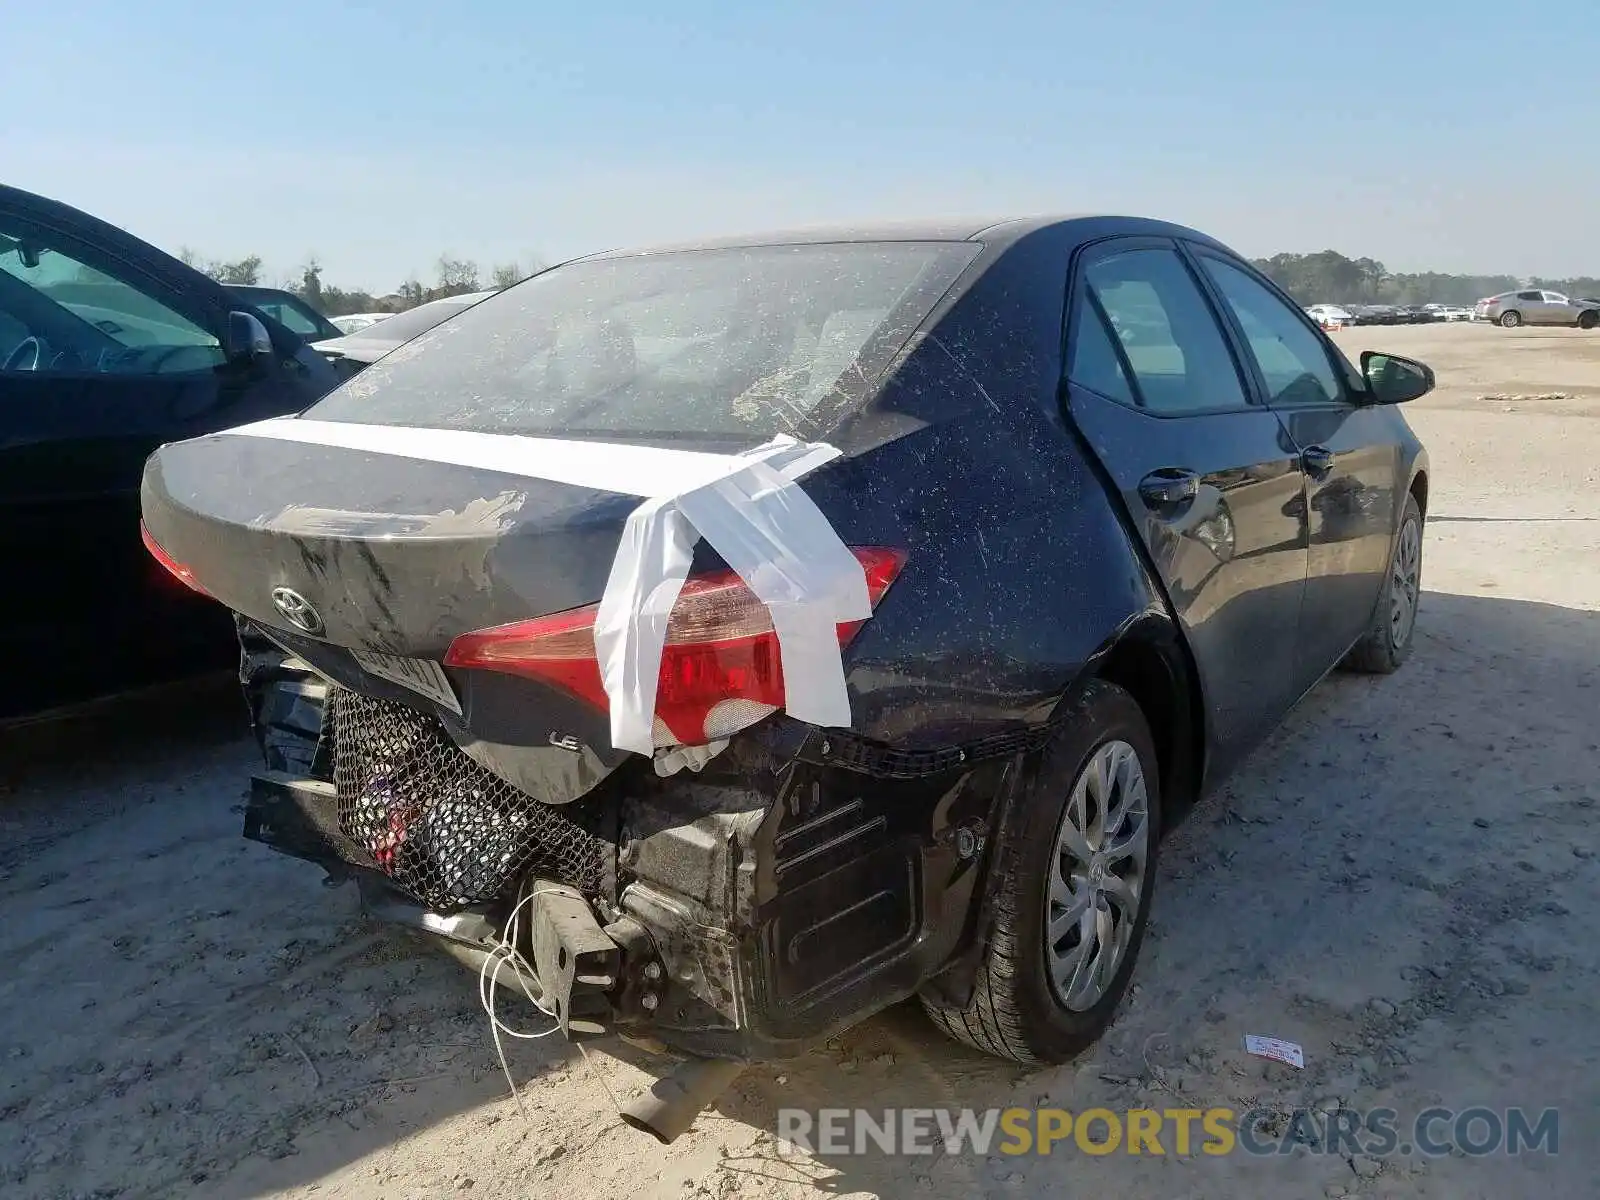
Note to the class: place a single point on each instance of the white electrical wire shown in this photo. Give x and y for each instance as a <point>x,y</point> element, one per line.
<point>503,954</point>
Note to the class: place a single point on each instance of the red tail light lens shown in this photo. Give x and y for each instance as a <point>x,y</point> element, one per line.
<point>177,570</point>
<point>721,670</point>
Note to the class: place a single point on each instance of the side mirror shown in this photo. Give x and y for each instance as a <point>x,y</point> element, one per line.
<point>249,343</point>
<point>1394,380</point>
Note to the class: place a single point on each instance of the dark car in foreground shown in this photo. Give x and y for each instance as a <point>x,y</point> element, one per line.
<point>108,348</point>
<point>1074,512</point>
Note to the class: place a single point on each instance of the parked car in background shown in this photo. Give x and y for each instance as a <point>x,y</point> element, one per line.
<point>974,814</point>
<point>1449,312</point>
<point>1331,314</point>
<point>108,348</point>
<point>355,351</point>
<point>1375,314</point>
<point>1415,314</point>
<point>286,309</point>
<point>1535,306</point>
<point>354,322</point>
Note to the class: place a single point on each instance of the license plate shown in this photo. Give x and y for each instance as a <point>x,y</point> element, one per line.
<point>421,675</point>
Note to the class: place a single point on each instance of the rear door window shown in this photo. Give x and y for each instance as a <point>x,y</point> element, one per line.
<point>1167,331</point>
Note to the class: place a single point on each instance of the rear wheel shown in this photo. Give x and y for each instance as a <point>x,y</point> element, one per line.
<point>286,700</point>
<point>1588,319</point>
<point>1510,320</point>
<point>1387,643</point>
<point>1071,890</point>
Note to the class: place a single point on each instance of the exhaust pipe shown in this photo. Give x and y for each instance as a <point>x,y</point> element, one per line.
<point>677,1098</point>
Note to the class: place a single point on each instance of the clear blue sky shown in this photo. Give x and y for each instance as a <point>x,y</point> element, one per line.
<point>1451,134</point>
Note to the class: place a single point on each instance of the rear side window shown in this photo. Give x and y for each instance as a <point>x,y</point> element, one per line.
<point>1096,364</point>
<point>296,317</point>
<point>1171,338</point>
<point>728,343</point>
<point>1530,296</point>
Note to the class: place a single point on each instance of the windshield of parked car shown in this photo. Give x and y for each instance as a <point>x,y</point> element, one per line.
<point>402,327</point>
<point>727,343</point>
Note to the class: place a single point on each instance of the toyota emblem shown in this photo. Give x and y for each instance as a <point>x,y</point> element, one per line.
<point>297,610</point>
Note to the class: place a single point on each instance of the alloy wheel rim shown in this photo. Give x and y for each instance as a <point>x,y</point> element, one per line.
<point>1097,876</point>
<point>1404,582</point>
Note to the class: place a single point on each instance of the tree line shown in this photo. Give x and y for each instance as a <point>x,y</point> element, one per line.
<point>1328,277</point>
<point>452,277</point>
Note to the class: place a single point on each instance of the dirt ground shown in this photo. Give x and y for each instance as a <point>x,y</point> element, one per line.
<point>1403,880</point>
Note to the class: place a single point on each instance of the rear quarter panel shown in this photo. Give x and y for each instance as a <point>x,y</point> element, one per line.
<point>1019,571</point>
<point>1020,567</point>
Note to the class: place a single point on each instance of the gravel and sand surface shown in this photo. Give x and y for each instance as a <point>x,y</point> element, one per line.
<point>1403,880</point>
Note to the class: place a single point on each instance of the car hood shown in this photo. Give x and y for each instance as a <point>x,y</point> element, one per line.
<point>357,346</point>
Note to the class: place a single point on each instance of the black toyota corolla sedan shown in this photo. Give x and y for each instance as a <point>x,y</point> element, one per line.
<point>752,634</point>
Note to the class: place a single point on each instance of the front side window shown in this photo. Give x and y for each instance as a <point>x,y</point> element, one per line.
<point>1168,333</point>
<point>61,315</point>
<point>1288,354</point>
<point>726,343</point>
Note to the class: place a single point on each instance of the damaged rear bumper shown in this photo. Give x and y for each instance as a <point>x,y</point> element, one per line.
<point>748,913</point>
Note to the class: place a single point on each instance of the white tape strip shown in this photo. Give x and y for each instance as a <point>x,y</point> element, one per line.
<point>745,505</point>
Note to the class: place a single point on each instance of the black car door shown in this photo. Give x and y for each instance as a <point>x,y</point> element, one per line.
<point>1350,452</point>
<point>102,359</point>
<point>1210,479</point>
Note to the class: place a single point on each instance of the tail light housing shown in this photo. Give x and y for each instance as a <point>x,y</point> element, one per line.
<point>721,668</point>
<point>175,568</point>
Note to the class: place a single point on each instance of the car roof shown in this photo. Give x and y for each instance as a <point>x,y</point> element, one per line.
<point>991,231</point>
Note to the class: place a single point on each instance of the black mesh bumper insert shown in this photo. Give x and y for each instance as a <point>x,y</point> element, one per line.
<point>446,830</point>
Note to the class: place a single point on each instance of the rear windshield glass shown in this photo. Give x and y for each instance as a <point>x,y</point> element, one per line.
<point>734,343</point>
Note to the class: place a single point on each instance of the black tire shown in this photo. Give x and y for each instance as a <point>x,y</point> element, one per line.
<point>1014,1012</point>
<point>1510,319</point>
<point>1588,319</point>
<point>1381,651</point>
<point>286,699</point>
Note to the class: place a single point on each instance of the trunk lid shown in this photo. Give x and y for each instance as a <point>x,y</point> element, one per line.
<point>386,561</point>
